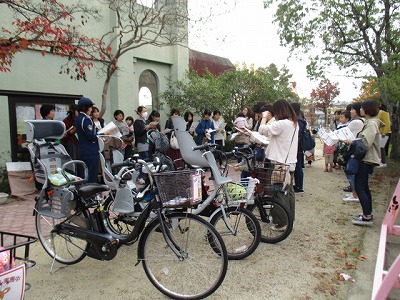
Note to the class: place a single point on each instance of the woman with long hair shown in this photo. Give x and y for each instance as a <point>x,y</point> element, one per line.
<point>282,148</point>
<point>69,141</point>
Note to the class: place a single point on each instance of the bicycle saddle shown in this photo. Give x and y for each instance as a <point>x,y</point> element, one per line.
<point>90,189</point>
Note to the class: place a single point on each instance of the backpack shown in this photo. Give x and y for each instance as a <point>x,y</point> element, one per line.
<point>307,141</point>
<point>158,141</point>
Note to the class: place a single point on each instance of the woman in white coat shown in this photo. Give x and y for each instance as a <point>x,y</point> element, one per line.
<point>283,134</point>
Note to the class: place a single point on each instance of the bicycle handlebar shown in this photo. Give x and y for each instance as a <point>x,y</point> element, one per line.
<point>205,146</point>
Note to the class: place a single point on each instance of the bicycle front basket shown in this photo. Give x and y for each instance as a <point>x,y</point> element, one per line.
<point>272,177</point>
<point>179,188</point>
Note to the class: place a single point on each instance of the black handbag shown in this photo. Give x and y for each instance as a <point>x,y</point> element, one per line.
<point>307,141</point>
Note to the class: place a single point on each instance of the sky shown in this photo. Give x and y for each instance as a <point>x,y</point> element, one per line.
<point>246,34</point>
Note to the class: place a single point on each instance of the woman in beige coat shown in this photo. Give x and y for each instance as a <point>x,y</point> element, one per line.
<point>370,137</point>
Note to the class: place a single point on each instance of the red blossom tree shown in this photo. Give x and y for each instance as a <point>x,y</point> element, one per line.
<point>324,95</point>
<point>48,26</point>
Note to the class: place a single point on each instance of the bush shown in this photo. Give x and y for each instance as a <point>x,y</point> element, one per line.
<point>4,184</point>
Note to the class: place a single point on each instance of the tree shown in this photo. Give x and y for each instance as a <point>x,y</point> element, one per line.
<point>369,90</point>
<point>230,91</point>
<point>324,95</point>
<point>353,34</point>
<point>50,27</point>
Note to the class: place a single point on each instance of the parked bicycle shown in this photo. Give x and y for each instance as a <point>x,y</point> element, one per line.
<point>265,206</point>
<point>71,223</point>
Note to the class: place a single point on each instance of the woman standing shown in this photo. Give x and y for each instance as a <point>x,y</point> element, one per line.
<point>69,141</point>
<point>220,131</point>
<point>243,138</point>
<point>282,148</point>
<point>202,128</point>
<point>174,154</point>
<point>370,137</point>
<point>98,122</point>
<point>140,129</point>
<point>188,116</point>
<point>127,135</point>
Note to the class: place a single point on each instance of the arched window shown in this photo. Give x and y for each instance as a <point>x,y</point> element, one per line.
<point>148,89</point>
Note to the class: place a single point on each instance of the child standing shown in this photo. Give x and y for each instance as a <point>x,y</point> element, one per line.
<point>240,121</point>
<point>328,153</point>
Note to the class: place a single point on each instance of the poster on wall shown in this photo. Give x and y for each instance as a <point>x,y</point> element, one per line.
<point>61,111</point>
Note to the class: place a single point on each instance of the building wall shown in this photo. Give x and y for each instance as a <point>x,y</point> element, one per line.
<point>32,72</point>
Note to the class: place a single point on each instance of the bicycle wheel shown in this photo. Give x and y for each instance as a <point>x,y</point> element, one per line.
<point>121,224</point>
<point>245,238</point>
<point>63,248</point>
<point>263,209</point>
<point>198,271</point>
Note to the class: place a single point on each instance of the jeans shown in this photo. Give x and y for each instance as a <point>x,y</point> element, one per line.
<point>362,187</point>
<point>351,179</point>
<point>298,172</point>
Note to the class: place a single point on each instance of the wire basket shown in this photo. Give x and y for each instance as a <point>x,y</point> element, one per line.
<point>240,192</point>
<point>56,202</point>
<point>272,177</point>
<point>15,248</point>
<point>178,189</point>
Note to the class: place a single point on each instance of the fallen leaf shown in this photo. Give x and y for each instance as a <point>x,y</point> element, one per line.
<point>362,257</point>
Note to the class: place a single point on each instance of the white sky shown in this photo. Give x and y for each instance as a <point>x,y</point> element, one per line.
<point>246,34</point>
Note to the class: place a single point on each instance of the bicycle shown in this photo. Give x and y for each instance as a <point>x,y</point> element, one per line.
<point>265,205</point>
<point>71,224</point>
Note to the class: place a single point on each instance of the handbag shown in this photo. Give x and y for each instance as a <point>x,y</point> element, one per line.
<point>173,141</point>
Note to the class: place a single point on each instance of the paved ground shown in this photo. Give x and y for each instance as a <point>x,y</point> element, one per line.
<point>16,216</point>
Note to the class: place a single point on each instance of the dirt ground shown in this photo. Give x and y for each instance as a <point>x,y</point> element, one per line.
<point>306,265</point>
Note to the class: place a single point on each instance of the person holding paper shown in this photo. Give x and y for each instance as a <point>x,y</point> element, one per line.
<point>188,116</point>
<point>282,148</point>
<point>220,129</point>
<point>98,122</point>
<point>127,135</point>
<point>204,125</point>
<point>355,126</point>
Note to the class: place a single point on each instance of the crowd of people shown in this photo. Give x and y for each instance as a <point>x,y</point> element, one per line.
<point>282,123</point>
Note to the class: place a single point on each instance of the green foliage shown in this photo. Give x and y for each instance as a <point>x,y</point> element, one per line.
<point>230,91</point>
<point>352,33</point>
<point>4,184</point>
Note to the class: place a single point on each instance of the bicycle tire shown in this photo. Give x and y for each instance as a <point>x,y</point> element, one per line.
<point>247,237</point>
<point>65,249</point>
<point>121,224</point>
<point>268,235</point>
<point>196,275</point>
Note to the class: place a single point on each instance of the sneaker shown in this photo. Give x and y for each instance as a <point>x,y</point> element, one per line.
<point>348,195</point>
<point>279,228</point>
<point>298,191</point>
<point>351,198</point>
<point>382,166</point>
<point>362,221</point>
<point>347,189</point>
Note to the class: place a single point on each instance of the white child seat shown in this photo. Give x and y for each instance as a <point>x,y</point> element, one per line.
<point>195,158</point>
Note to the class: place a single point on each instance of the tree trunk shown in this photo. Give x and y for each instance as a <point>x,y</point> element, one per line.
<point>106,87</point>
<point>395,139</point>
